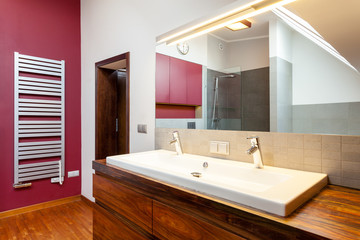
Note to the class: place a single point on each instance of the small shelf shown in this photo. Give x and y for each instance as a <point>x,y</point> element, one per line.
<point>175,104</point>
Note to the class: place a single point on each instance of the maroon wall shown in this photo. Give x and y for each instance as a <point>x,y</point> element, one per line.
<point>49,29</point>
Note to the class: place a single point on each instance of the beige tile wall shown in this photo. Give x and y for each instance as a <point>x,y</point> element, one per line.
<point>337,156</point>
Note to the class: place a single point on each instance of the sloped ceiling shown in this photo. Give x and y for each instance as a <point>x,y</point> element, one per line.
<point>338,21</point>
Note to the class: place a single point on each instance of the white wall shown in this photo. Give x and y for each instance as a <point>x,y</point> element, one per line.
<point>281,40</point>
<point>280,53</point>
<point>319,77</point>
<point>240,55</point>
<point>113,27</point>
<point>197,50</point>
<point>248,54</point>
<point>216,56</point>
<point>179,122</point>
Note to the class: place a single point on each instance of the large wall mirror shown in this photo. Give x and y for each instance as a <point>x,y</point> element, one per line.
<point>293,69</point>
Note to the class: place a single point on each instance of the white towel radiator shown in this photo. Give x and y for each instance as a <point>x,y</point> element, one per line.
<point>39,116</point>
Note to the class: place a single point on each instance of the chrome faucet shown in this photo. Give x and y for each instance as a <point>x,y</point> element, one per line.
<point>176,141</point>
<point>254,150</point>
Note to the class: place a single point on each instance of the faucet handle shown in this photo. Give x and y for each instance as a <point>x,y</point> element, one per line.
<point>253,137</point>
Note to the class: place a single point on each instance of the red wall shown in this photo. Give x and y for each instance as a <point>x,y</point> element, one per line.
<point>49,29</point>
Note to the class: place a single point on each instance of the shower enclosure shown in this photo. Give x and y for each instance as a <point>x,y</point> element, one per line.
<point>238,101</point>
<point>215,120</point>
<point>223,100</point>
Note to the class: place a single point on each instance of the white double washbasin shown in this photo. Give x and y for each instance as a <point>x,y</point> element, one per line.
<point>275,190</point>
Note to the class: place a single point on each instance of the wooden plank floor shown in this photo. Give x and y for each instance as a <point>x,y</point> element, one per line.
<point>68,221</point>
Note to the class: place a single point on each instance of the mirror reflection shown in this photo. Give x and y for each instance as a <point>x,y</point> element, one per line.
<point>279,75</point>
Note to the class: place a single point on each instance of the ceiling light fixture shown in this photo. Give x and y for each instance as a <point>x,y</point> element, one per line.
<point>221,20</point>
<point>243,24</point>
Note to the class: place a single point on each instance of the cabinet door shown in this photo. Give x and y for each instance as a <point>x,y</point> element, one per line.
<point>194,83</point>
<point>162,90</point>
<point>177,81</point>
<point>169,223</point>
<point>106,226</point>
<point>128,203</point>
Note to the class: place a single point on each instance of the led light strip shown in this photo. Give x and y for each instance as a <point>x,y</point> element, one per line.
<point>203,23</point>
<point>246,11</point>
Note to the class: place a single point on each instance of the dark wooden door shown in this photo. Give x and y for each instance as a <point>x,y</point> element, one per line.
<point>112,107</point>
<point>106,113</point>
<point>122,133</point>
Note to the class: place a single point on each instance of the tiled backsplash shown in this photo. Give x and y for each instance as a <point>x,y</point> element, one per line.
<point>337,118</point>
<point>338,156</point>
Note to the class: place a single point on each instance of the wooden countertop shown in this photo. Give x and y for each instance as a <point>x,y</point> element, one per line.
<point>334,213</point>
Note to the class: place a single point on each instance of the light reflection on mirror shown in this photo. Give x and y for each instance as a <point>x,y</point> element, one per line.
<point>270,77</point>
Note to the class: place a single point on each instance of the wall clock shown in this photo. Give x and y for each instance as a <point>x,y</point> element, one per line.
<point>183,48</point>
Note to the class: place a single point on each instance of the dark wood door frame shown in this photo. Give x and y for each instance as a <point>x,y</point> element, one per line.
<point>98,106</point>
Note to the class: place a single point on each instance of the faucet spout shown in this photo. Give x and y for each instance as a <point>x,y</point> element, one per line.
<point>254,150</point>
<point>176,142</point>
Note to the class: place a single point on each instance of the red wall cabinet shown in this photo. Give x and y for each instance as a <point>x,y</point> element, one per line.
<point>194,84</point>
<point>162,79</point>
<point>178,81</point>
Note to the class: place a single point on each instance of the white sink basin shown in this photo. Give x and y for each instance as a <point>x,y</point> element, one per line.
<point>275,190</point>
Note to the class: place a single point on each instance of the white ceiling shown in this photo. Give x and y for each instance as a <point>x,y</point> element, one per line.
<point>338,21</point>
<point>259,28</point>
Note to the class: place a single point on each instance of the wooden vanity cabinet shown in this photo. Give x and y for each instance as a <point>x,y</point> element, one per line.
<point>169,223</point>
<point>134,206</point>
<point>106,225</point>
<point>122,213</point>
<point>119,206</point>
<point>131,206</point>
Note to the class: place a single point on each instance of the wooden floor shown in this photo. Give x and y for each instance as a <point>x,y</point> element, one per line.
<point>68,221</point>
